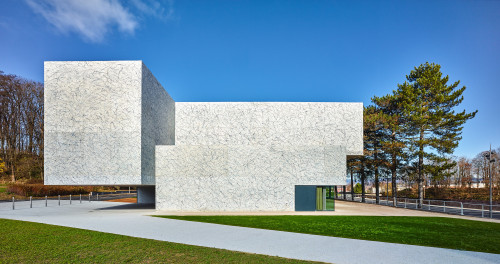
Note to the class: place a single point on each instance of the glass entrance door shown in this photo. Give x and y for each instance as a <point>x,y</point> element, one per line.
<point>320,199</point>
<point>325,198</point>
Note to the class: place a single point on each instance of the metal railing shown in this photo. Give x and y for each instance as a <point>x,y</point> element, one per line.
<point>37,202</point>
<point>437,206</point>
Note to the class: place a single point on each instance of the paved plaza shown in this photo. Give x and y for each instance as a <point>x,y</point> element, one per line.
<point>135,220</point>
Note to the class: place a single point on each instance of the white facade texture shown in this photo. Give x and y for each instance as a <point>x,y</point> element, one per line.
<point>103,121</point>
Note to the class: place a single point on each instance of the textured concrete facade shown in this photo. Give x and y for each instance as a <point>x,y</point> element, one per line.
<point>242,178</point>
<point>112,123</point>
<point>102,121</point>
<point>249,156</point>
<point>270,123</point>
<point>157,123</point>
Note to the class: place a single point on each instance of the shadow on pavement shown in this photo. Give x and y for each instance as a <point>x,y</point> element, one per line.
<point>130,206</point>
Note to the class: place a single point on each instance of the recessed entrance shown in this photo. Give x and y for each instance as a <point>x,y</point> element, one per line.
<point>314,198</point>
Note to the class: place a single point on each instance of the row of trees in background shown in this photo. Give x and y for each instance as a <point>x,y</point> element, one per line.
<point>472,172</point>
<point>468,173</point>
<point>412,132</point>
<point>21,127</point>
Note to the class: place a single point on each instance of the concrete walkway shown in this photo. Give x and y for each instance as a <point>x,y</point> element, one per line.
<point>131,220</point>
<point>348,208</point>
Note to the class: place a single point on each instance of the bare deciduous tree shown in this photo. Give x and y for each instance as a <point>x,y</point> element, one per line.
<point>21,126</point>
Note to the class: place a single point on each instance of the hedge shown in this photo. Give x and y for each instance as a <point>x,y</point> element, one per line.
<point>40,190</point>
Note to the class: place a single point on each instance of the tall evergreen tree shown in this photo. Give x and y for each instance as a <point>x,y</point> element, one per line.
<point>350,169</point>
<point>360,165</point>
<point>431,123</point>
<point>371,161</point>
<point>392,136</point>
<point>374,127</point>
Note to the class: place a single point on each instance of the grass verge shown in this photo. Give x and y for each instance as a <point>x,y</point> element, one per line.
<point>424,231</point>
<point>26,242</point>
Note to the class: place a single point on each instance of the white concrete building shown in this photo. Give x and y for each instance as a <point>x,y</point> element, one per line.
<point>112,123</point>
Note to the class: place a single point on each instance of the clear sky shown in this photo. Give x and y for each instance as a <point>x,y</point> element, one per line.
<point>345,51</point>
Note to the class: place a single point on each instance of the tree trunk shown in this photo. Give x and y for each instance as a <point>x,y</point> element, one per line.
<point>40,149</point>
<point>377,187</point>
<point>363,187</point>
<point>12,175</point>
<point>377,183</point>
<point>352,187</point>
<point>477,178</point>
<point>393,180</point>
<point>421,170</point>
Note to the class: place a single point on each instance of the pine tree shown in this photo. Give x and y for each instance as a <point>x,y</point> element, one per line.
<point>360,165</point>
<point>372,160</point>
<point>374,128</point>
<point>431,123</point>
<point>350,169</point>
<point>392,138</point>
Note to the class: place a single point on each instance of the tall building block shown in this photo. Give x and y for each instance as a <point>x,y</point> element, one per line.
<point>102,121</point>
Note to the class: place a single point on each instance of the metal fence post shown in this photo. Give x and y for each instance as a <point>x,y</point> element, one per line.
<point>461,208</point>
<point>429,205</point>
<point>405,202</point>
<point>70,199</point>
<point>59,199</point>
<point>89,197</point>
<point>45,200</point>
<point>80,198</point>
<point>97,196</point>
<point>444,206</point>
<point>416,204</point>
<point>482,210</point>
<point>13,203</point>
<point>31,202</point>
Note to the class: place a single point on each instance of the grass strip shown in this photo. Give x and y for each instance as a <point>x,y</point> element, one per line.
<point>27,242</point>
<point>424,231</point>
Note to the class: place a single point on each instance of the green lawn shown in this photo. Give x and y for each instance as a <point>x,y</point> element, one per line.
<point>26,242</point>
<point>425,231</point>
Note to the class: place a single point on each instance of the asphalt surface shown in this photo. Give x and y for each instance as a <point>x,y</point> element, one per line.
<point>134,220</point>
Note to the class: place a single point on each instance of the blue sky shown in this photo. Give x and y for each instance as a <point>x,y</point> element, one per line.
<point>271,50</point>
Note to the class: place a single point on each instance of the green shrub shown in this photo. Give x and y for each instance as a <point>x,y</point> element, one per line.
<point>409,193</point>
<point>357,188</point>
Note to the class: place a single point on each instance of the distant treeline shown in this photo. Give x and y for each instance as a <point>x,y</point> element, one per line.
<point>21,128</point>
